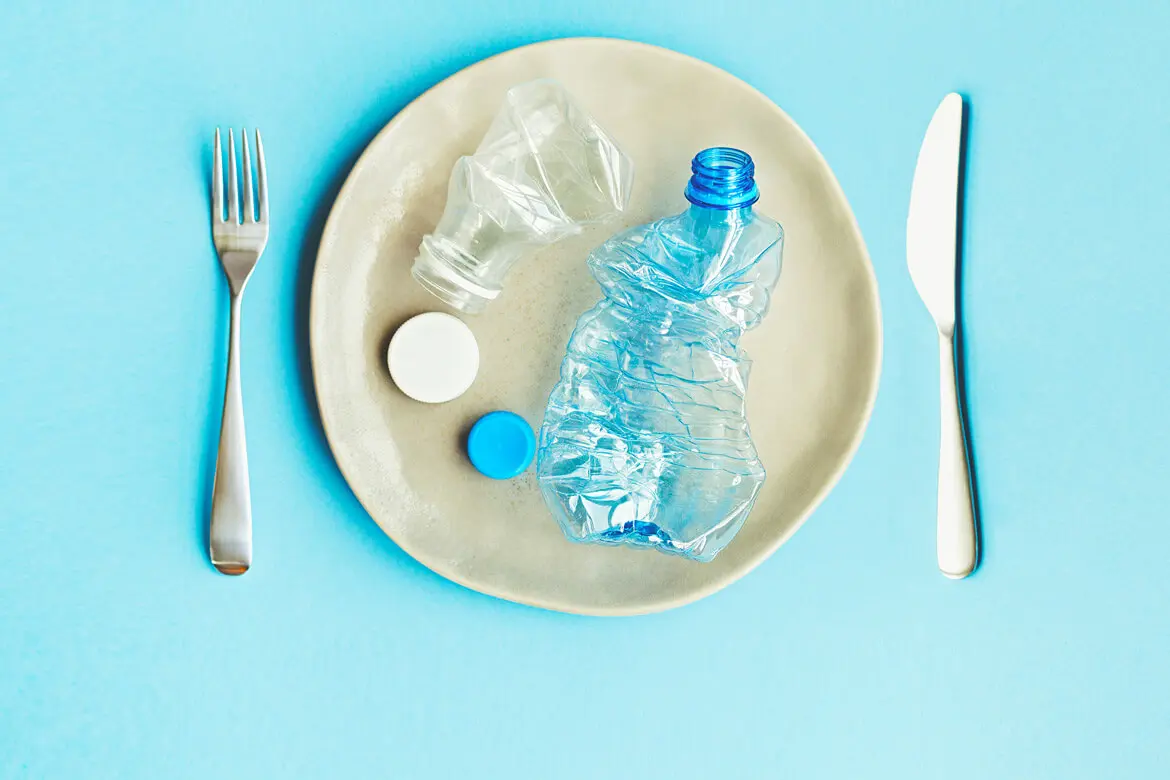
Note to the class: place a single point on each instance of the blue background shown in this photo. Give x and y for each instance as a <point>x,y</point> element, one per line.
<point>847,655</point>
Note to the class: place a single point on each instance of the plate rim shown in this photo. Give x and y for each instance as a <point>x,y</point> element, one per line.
<point>750,564</point>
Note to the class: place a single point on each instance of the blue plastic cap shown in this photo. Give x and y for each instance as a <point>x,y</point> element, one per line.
<point>501,445</point>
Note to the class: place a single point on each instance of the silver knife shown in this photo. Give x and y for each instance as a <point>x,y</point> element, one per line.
<point>932,254</point>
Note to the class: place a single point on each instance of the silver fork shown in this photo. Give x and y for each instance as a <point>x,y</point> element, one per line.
<point>239,245</point>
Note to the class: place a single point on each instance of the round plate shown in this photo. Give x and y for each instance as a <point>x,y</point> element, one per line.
<point>817,355</point>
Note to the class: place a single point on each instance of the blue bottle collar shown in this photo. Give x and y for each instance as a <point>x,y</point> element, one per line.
<point>722,178</point>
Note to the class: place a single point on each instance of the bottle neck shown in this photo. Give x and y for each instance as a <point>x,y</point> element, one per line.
<point>706,218</point>
<point>722,179</point>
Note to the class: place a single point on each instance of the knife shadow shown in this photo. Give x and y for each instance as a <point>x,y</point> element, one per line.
<point>960,341</point>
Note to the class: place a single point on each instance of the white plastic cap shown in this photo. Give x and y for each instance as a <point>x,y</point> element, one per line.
<point>433,357</point>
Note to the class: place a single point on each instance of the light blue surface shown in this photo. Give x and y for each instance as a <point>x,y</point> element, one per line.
<point>122,655</point>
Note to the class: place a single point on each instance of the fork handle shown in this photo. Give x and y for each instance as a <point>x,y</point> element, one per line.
<point>231,501</point>
<point>958,540</point>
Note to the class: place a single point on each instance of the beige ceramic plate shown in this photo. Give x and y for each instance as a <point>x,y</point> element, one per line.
<point>817,355</point>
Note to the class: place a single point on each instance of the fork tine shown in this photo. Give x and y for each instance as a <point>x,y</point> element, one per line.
<point>217,182</point>
<point>233,188</point>
<point>249,207</point>
<point>262,177</point>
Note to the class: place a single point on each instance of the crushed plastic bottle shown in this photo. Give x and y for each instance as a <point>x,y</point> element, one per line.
<point>543,171</point>
<point>645,440</point>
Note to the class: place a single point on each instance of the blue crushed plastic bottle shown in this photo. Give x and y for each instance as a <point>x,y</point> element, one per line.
<point>645,441</point>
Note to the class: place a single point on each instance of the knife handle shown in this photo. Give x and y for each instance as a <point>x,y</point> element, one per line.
<point>958,536</point>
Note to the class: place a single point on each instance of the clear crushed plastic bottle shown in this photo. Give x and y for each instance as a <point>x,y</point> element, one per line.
<point>645,440</point>
<point>544,170</point>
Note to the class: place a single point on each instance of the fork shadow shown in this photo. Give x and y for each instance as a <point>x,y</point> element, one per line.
<point>218,377</point>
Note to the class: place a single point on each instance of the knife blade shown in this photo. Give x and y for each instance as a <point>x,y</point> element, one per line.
<point>932,230</point>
